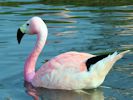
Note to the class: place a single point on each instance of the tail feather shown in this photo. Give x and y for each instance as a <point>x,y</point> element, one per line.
<point>103,66</point>
<point>120,55</point>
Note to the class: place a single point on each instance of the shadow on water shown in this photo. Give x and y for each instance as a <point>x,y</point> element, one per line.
<point>47,94</point>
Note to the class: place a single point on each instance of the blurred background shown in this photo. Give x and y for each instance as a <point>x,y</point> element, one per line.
<point>97,27</point>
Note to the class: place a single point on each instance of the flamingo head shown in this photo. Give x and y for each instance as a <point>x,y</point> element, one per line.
<point>33,26</point>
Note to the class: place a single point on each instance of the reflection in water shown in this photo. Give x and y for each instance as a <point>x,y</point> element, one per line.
<point>47,94</point>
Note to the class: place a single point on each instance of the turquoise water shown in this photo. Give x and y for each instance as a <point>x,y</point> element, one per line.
<point>92,29</point>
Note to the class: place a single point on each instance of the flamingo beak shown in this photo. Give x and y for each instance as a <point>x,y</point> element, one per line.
<point>19,35</point>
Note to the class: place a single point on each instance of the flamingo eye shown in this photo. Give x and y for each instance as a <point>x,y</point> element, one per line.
<point>27,24</point>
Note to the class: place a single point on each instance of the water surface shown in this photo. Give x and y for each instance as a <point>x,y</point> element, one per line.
<point>92,29</point>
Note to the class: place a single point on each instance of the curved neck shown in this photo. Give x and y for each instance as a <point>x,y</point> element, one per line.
<point>29,67</point>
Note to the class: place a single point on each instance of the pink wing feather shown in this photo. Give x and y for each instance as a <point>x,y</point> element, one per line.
<point>70,59</point>
<point>75,58</point>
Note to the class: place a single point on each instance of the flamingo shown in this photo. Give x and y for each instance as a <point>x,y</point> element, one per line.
<point>69,71</point>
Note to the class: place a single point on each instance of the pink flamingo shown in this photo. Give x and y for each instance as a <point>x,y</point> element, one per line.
<point>71,70</point>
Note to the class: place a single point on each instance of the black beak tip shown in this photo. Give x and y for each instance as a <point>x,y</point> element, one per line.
<point>19,35</point>
<point>18,42</point>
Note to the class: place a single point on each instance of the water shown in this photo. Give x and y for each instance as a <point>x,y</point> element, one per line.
<point>93,29</point>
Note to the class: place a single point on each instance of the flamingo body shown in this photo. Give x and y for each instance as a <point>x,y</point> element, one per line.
<point>70,70</point>
<point>62,71</point>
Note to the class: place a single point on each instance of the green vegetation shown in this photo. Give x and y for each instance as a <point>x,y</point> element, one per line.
<point>73,2</point>
<point>90,2</point>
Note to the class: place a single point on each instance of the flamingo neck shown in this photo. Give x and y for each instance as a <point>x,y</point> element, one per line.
<point>29,67</point>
